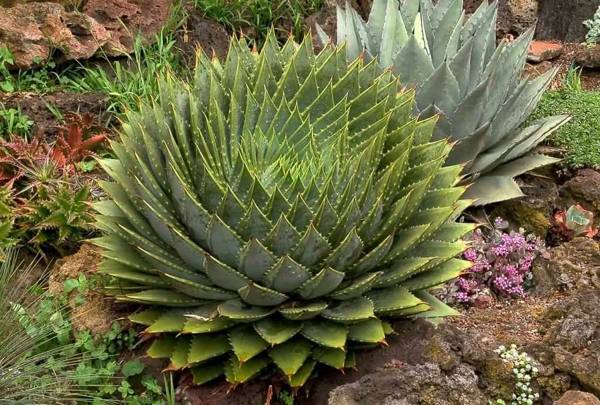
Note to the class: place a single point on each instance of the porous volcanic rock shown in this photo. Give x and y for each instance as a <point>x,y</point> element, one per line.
<point>405,384</point>
<point>125,19</point>
<point>34,32</point>
<point>574,264</point>
<point>578,398</point>
<point>573,338</point>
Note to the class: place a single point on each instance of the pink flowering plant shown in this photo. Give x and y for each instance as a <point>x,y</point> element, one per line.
<point>501,268</point>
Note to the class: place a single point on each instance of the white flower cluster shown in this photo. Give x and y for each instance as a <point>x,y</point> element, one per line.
<point>524,370</point>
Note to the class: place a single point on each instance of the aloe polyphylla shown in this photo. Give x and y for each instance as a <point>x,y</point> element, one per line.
<point>276,210</point>
<point>459,72</point>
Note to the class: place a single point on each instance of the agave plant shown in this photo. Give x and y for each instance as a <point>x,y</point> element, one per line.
<point>460,74</point>
<point>276,210</point>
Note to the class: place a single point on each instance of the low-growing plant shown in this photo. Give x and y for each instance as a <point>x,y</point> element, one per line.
<point>579,138</point>
<point>44,204</point>
<point>524,370</point>
<point>76,141</point>
<point>37,361</point>
<point>14,122</point>
<point>501,268</point>
<point>41,79</point>
<point>256,17</point>
<point>44,361</point>
<point>593,25</point>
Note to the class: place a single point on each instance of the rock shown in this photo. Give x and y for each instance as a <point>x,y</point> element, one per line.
<point>198,32</point>
<point>401,383</point>
<point>124,19</point>
<point>583,189</point>
<point>514,16</point>
<point>573,337</point>
<point>588,57</point>
<point>33,31</point>
<point>574,264</point>
<point>563,21</point>
<point>578,398</point>
<point>534,210</point>
<point>540,51</point>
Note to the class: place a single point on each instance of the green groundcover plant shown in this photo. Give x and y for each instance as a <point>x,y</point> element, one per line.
<point>276,210</point>
<point>579,138</point>
<point>459,73</point>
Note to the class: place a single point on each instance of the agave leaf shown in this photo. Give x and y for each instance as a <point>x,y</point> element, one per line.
<point>276,331</point>
<point>335,358</point>
<point>369,331</point>
<point>237,372</point>
<point>206,372</point>
<point>291,355</point>
<point>207,346</point>
<point>246,343</point>
<point>349,311</point>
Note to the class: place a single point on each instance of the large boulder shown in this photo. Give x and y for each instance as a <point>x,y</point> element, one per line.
<point>36,31</point>
<point>404,384</point>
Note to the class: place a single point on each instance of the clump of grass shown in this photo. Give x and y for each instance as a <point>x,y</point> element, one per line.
<point>255,17</point>
<point>580,138</point>
<point>14,122</point>
<point>130,80</point>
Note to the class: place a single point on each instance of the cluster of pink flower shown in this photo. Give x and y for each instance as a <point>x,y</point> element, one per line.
<point>502,263</point>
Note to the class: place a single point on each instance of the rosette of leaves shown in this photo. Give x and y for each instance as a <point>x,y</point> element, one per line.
<point>276,210</point>
<point>476,87</point>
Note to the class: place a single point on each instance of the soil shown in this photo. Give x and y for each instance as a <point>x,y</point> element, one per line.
<point>519,321</point>
<point>590,79</point>
<point>35,106</point>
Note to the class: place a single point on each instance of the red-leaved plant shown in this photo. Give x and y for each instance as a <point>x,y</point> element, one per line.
<point>74,142</point>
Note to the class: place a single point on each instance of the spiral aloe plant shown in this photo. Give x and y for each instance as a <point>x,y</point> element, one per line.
<point>459,73</point>
<point>276,210</point>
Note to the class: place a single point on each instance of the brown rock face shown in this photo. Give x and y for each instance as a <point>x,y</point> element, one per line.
<point>577,398</point>
<point>562,20</point>
<point>574,264</point>
<point>123,19</point>
<point>573,338</point>
<point>33,31</point>
<point>583,189</point>
<point>514,16</point>
<point>36,31</point>
<point>198,32</point>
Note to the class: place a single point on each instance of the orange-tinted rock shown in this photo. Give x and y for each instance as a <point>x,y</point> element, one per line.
<point>540,51</point>
<point>34,31</point>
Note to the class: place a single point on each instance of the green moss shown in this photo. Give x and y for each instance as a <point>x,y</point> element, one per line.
<point>580,138</point>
